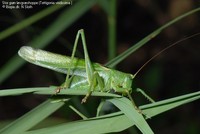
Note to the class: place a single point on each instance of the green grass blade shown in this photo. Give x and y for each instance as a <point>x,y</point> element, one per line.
<point>20,91</point>
<point>132,49</point>
<point>27,22</point>
<point>93,126</point>
<point>168,104</point>
<point>128,109</point>
<point>31,118</point>
<point>66,18</point>
<point>112,29</point>
<point>114,122</point>
<point>51,91</point>
<point>13,64</point>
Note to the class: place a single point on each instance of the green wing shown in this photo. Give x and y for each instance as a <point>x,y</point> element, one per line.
<point>56,62</point>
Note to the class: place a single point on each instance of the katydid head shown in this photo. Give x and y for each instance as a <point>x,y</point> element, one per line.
<point>127,83</point>
<point>121,82</point>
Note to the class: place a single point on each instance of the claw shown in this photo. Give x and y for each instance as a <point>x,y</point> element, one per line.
<point>139,110</point>
<point>58,89</point>
<point>85,98</point>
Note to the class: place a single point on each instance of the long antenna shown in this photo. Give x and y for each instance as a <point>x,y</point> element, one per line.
<point>181,40</point>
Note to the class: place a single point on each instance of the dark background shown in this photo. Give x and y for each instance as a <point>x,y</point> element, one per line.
<point>175,72</point>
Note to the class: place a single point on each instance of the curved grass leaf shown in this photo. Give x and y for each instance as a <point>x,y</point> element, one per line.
<point>165,105</point>
<point>32,118</point>
<point>51,91</point>
<point>132,114</point>
<point>114,122</point>
<point>104,124</point>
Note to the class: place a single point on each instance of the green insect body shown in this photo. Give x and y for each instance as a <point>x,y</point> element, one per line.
<point>112,79</point>
<point>85,75</point>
